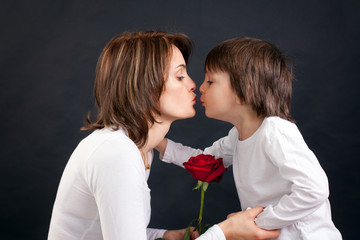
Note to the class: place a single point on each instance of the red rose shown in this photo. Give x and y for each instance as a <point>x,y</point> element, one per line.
<point>205,168</point>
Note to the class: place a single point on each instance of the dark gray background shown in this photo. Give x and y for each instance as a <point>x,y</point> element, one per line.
<point>48,53</point>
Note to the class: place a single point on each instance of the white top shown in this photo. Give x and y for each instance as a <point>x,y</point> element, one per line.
<point>213,233</point>
<point>274,168</point>
<point>103,192</point>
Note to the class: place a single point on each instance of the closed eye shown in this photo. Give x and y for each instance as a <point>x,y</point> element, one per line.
<point>180,78</point>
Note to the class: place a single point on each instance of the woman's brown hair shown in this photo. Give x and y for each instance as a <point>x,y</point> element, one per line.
<point>259,74</point>
<point>130,77</point>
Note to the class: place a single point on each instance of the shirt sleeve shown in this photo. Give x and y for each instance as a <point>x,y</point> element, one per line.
<point>297,164</point>
<point>153,233</point>
<point>116,176</point>
<point>213,233</point>
<point>177,153</point>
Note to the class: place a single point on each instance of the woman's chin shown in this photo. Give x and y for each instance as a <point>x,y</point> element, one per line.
<point>193,113</point>
<point>188,115</point>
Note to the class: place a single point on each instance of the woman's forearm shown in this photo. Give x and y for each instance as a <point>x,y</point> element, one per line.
<point>242,226</point>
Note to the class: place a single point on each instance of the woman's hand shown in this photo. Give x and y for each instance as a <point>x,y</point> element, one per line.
<point>241,225</point>
<point>179,234</point>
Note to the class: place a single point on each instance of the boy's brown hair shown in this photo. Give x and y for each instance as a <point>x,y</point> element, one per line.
<point>130,77</point>
<point>259,74</point>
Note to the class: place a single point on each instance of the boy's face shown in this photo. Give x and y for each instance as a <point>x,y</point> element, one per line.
<point>218,97</point>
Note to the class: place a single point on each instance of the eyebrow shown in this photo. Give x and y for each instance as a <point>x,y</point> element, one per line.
<point>181,65</point>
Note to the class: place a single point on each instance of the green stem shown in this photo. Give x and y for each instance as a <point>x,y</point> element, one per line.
<point>201,208</point>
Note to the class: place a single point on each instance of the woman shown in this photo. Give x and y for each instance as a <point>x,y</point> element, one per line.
<point>141,87</point>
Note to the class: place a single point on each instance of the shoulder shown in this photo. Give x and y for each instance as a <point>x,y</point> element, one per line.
<point>113,163</point>
<point>278,130</point>
<point>107,146</point>
<point>277,125</point>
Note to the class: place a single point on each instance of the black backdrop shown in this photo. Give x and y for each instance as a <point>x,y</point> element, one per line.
<point>48,53</point>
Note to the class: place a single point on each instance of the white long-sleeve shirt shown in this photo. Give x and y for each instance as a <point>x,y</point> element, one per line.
<point>274,168</point>
<point>103,193</point>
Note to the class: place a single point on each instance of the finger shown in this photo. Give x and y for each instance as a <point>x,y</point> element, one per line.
<point>195,235</point>
<point>231,214</point>
<point>192,229</point>
<point>270,234</point>
<point>255,211</point>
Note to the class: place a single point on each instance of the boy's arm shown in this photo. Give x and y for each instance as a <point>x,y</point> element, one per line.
<point>176,153</point>
<point>172,152</point>
<point>309,185</point>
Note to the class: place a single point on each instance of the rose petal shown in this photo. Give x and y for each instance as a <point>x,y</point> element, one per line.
<point>205,168</point>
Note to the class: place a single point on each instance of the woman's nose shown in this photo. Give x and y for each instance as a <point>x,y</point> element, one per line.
<point>192,85</point>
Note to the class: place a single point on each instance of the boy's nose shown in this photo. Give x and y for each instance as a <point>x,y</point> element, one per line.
<point>201,89</point>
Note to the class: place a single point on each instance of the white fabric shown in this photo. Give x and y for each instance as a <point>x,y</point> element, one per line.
<point>103,192</point>
<point>213,233</point>
<point>274,168</point>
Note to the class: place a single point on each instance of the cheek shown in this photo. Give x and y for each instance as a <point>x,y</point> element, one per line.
<point>174,96</point>
<point>213,97</point>
<point>217,102</point>
<point>174,102</point>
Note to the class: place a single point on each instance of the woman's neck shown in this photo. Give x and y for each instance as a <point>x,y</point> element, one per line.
<point>156,134</point>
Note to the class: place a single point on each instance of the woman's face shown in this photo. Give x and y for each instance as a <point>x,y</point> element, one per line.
<point>178,98</point>
<point>217,96</point>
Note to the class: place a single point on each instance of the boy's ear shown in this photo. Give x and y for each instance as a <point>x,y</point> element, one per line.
<point>242,101</point>
<point>239,101</point>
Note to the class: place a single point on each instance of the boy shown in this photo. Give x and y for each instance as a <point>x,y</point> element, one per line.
<point>248,83</point>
